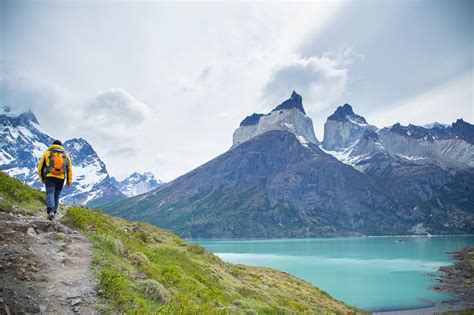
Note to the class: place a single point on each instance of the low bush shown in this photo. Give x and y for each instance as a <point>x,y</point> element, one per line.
<point>154,290</point>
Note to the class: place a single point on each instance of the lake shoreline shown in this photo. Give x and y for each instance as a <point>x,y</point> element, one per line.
<point>402,269</point>
<point>456,280</point>
<point>439,307</point>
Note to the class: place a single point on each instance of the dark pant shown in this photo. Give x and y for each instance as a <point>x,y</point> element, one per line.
<point>53,190</point>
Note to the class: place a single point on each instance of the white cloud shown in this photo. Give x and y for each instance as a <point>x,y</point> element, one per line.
<point>115,106</point>
<point>444,103</point>
<point>321,81</point>
<point>199,75</point>
<point>21,91</point>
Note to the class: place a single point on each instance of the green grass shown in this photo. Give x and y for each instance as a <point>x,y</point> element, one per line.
<point>144,269</point>
<point>19,198</point>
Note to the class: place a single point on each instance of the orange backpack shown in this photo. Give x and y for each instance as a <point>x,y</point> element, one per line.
<point>57,163</point>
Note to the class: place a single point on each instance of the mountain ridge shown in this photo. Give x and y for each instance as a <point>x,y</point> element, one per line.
<point>273,182</point>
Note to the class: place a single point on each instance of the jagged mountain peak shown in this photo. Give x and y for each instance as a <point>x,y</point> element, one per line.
<point>346,113</point>
<point>137,183</point>
<point>283,117</point>
<point>463,130</point>
<point>135,176</point>
<point>295,101</point>
<point>18,118</point>
<point>434,125</point>
<point>79,146</point>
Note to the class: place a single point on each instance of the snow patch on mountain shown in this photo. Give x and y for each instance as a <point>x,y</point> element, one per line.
<point>137,184</point>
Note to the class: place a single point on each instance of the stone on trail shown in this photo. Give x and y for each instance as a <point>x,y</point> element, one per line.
<point>31,231</point>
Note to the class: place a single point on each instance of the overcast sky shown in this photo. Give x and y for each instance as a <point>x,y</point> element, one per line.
<point>160,86</point>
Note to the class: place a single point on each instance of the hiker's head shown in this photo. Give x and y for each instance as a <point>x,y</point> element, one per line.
<point>57,142</point>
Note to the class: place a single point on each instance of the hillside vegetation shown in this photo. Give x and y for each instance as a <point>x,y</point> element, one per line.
<point>143,269</point>
<point>18,197</point>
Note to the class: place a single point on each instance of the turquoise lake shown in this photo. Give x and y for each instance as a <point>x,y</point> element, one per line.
<point>372,273</point>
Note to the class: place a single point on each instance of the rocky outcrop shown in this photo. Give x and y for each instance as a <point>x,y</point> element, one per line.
<point>343,128</point>
<point>289,116</point>
<point>458,279</point>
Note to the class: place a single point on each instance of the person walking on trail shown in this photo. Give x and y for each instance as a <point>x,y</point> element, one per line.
<point>54,168</point>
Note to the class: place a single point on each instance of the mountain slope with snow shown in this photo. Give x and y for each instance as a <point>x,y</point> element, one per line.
<point>22,144</point>
<point>137,184</point>
<point>349,137</point>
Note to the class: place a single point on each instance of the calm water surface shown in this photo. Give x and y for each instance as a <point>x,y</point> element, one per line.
<point>373,273</point>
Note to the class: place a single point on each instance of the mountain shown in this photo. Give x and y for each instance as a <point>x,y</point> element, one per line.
<point>352,140</point>
<point>426,169</point>
<point>276,181</point>
<point>22,144</point>
<point>137,184</point>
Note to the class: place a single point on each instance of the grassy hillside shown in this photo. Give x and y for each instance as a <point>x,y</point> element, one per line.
<point>18,197</point>
<point>144,269</point>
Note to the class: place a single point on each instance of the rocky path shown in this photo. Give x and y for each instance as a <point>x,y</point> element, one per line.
<point>44,267</point>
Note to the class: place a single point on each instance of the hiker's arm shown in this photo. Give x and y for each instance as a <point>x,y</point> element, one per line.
<point>69,170</point>
<point>41,166</point>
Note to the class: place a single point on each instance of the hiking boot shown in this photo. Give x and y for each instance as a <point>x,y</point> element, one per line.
<point>51,216</point>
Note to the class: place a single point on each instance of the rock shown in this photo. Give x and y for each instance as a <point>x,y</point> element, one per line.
<point>43,308</point>
<point>31,231</point>
<point>75,302</point>
<point>5,309</point>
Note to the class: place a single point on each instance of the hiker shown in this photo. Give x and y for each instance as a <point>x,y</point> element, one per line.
<point>53,168</point>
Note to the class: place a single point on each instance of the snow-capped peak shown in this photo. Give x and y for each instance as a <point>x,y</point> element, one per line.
<point>18,117</point>
<point>137,184</point>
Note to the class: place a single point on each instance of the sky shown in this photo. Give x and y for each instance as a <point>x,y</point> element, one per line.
<point>161,86</point>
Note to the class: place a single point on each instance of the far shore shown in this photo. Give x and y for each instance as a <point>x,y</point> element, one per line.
<point>325,238</point>
<point>439,307</point>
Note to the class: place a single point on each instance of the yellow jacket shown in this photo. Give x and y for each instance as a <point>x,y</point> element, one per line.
<point>44,164</point>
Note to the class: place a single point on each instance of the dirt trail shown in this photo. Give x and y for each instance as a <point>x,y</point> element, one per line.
<point>44,267</point>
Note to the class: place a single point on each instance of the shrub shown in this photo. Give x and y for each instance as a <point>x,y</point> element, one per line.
<point>154,290</point>
<point>172,274</point>
<point>6,205</point>
<point>112,244</point>
<point>139,259</point>
<point>114,286</point>
<point>196,249</point>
